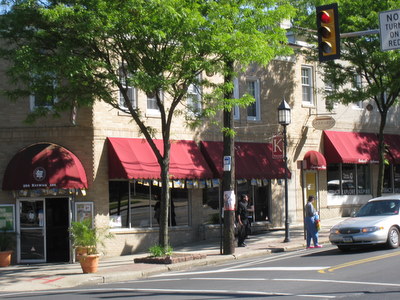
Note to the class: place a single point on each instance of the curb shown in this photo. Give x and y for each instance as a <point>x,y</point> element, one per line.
<point>180,266</point>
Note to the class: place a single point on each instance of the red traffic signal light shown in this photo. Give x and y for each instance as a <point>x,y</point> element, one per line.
<point>328,32</point>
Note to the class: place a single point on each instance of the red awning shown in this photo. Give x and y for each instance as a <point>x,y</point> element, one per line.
<point>133,158</point>
<point>392,142</point>
<point>314,160</point>
<point>351,147</point>
<point>252,160</point>
<point>44,165</point>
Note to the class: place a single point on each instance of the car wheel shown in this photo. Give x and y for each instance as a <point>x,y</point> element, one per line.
<point>344,248</point>
<point>393,238</point>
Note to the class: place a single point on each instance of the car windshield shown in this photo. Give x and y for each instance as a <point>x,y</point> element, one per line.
<point>378,208</point>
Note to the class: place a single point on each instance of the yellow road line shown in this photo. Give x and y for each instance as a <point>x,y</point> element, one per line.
<point>358,262</point>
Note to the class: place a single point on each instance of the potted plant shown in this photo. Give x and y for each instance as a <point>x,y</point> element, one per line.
<point>85,239</point>
<point>6,244</point>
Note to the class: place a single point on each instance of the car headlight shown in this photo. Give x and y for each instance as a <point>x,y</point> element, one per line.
<point>371,229</point>
<point>334,230</point>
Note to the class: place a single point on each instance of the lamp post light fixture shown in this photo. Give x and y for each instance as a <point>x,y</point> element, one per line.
<point>284,118</point>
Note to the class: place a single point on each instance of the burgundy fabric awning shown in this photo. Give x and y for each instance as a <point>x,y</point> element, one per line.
<point>130,158</point>
<point>44,165</point>
<point>392,142</point>
<point>314,160</point>
<point>252,160</point>
<point>350,147</point>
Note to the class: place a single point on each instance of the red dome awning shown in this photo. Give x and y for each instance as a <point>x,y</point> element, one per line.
<point>314,160</point>
<point>44,165</point>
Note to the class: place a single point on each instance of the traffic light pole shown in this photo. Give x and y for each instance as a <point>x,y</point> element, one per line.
<point>359,33</point>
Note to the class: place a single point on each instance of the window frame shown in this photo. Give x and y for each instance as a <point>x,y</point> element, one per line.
<point>355,177</point>
<point>236,109</point>
<point>309,86</point>
<point>131,91</point>
<point>153,111</point>
<point>32,99</point>
<point>194,90</point>
<point>256,96</point>
<point>357,84</point>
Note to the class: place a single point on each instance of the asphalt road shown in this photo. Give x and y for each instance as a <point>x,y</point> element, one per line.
<point>325,273</point>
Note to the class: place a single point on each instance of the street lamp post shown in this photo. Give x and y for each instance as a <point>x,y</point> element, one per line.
<point>284,118</point>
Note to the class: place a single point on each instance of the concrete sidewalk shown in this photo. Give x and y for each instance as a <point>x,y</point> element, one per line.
<point>20,278</point>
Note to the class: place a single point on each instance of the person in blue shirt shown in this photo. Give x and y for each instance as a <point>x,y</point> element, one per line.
<point>310,217</point>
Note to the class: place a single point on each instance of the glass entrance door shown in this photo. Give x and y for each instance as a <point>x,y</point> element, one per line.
<point>31,231</point>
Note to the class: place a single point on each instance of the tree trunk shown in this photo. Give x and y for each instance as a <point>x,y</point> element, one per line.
<point>381,153</point>
<point>228,181</point>
<point>163,238</point>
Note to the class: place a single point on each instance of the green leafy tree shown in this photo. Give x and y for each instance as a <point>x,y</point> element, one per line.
<point>380,71</point>
<point>82,51</point>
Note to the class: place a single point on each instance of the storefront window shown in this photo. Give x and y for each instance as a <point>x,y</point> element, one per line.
<point>396,173</point>
<point>349,179</point>
<point>333,179</point>
<point>141,210</point>
<point>388,180</point>
<point>363,180</point>
<point>211,200</point>
<point>118,203</point>
<point>258,192</point>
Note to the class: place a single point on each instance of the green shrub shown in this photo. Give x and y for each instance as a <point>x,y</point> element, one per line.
<point>158,250</point>
<point>83,234</point>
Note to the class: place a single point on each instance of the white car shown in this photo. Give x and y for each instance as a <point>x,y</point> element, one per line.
<point>377,222</point>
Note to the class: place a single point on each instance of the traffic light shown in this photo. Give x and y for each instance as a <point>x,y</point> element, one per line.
<point>328,32</point>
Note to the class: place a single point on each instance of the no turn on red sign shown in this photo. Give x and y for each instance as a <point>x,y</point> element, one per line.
<point>390,29</point>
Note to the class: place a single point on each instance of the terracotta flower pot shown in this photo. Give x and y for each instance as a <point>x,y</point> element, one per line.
<point>89,263</point>
<point>5,258</point>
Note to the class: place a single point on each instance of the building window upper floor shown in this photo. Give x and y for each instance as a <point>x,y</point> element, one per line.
<point>44,95</point>
<point>129,89</point>
<point>357,85</point>
<point>307,85</point>
<point>253,89</point>
<point>194,99</point>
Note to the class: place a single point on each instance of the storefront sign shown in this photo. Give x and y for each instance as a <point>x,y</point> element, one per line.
<point>323,123</point>
<point>277,147</point>
<point>83,211</point>
<point>7,217</point>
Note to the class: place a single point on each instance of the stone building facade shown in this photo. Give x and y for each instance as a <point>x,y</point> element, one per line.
<point>127,204</point>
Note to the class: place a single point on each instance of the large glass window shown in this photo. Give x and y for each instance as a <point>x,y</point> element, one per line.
<point>333,173</point>
<point>136,204</point>
<point>349,179</point>
<point>363,180</point>
<point>259,196</point>
<point>396,175</point>
<point>388,179</point>
<point>211,198</point>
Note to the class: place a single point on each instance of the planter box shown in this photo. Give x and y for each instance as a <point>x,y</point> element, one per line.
<point>169,259</point>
